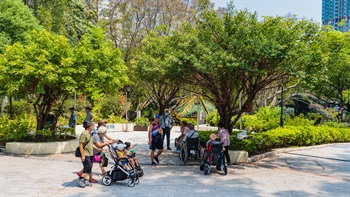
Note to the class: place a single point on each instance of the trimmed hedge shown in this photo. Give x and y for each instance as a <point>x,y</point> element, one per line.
<point>288,136</point>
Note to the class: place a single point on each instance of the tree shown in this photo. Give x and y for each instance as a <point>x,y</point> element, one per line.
<point>238,54</point>
<point>331,81</point>
<point>16,20</point>
<point>50,69</point>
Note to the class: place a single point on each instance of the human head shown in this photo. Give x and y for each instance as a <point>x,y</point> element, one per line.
<point>90,126</point>
<point>166,112</point>
<point>249,129</point>
<point>102,131</point>
<point>87,109</point>
<point>213,136</point>
<point>191,126</point>
<point>101,123</point>
<point>156,117</point>
<point>121,146</point>
<point>72,109</point>
<point>183,123</point>
<point>127,145</point>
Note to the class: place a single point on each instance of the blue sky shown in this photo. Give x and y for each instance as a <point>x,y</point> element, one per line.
<point>310,9</point>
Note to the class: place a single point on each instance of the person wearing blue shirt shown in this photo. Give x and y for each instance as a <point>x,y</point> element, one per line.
<point>73,118</point>
<point>88,117</point>
<point>167,124</point>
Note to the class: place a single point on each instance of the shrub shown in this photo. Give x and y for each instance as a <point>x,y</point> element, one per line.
<point>189,121</point>
<point>115,119</point>
<point>142,122</point>
<point>286,137</point>
<point>213,118</point>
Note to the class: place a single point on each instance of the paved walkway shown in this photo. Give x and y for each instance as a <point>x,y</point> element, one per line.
<point>315,172</point>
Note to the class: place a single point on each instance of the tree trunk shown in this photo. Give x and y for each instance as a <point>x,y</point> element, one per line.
<point>11,107</point>
<point>225,117</point>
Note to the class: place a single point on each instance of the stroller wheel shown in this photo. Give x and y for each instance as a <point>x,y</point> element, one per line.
<point>218,168</point>
<point>206,170</point>
<point>201,167</point>
<point>137,180</point>
<point>107,180</point>
<point>131,183</point>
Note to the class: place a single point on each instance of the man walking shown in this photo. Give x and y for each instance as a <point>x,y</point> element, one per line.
<point>88,117</point>
<point>167,124</point>
<point>73,118</point>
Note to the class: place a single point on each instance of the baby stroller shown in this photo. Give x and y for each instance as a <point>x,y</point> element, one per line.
<point>118,172</point>
<point>214,155</point>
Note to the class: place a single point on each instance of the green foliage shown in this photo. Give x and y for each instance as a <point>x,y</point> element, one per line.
<point>289,136</point>
<point>116,119</point>
<point>141,122</point>
<point>213,118</point>
<point>111,104</point>
<point>189,121</point>
<point>20,107</point>
<point>16,129</point>
<point>335,124</point>
<point>16,20</point>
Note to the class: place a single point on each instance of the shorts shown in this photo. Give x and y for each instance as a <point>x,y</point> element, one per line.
<point>87,165</point>
<point>124,162</point>
<point>156,145</point>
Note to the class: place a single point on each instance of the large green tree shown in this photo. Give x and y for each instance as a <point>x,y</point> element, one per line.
<point>235,53</point>
<point>16,20</point>
<point>331,82</point>
<point>49,69</point>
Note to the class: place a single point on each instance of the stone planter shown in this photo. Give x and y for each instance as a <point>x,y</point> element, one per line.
<point>41,148</point>
<point>238,156</point>
<point>140,128</point>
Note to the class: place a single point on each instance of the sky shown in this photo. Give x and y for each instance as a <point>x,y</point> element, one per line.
<point>310,9</point>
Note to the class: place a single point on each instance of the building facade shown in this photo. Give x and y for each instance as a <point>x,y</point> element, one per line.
<point>337,14</point>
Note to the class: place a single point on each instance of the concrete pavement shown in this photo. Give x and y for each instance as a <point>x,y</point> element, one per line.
<point>315,172</point>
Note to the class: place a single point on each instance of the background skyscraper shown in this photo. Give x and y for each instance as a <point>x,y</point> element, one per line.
<point>335,12</point>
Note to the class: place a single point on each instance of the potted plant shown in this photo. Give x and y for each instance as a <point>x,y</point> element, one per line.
<point>141,124</point>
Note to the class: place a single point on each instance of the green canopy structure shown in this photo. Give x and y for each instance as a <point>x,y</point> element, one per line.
<point>192,106</point>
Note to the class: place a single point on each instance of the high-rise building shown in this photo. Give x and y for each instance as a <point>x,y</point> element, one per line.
<point>336,13</point>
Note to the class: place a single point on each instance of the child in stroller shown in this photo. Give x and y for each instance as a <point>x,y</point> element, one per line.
<point>121,169</point>
<point>130,153</point>
<point>213,154</point>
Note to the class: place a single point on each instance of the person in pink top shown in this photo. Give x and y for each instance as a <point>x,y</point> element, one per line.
<point>224,136</point>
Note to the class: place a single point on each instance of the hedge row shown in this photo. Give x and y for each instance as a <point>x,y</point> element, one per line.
<point>290,136</point>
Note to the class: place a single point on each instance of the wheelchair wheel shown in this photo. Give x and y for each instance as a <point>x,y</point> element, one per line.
<point>183,154</point>
<point>131,183</point>
<point>107,180</point>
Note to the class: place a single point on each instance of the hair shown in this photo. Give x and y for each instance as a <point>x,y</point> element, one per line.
<point>191,127</point>
<point>184,123</point>
<point>127,145</point>
<point>101,123</point>
<point>88,124</point>
<point>213,136</point>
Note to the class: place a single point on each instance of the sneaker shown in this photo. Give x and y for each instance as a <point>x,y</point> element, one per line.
<point>156,158</point>
<point>79,175</point>
<point>153,164</point>
<point>93,181</point>
<point>81,182</point>
<point>88,183</point>
<point>169,148</point>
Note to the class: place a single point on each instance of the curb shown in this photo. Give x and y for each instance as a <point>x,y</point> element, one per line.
<point>286,150</point>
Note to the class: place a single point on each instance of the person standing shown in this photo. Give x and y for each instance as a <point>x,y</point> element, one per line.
<point>72,118</point>
<point>155,140</point>
<point>86,147</point>
<point>167,124</point>
<point>89,115</point>
<point>224,136</point>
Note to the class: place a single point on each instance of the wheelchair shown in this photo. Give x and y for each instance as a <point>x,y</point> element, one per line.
<point>190,148</point>
<point>214,155</point>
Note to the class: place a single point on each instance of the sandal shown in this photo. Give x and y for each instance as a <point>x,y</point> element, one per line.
<point>79,175</point>
<point>93,181</point>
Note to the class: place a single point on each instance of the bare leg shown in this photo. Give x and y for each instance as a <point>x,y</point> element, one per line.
<point>136,161</point>
<point>102,168</point>
<point>152,155</point>
<point>159,152</point>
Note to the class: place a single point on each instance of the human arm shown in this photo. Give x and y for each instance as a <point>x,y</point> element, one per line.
<point>82,151</point>
<point>150,135</point>
<point>111,139</point>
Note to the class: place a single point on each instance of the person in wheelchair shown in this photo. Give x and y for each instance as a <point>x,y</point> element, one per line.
<point>190,144</point>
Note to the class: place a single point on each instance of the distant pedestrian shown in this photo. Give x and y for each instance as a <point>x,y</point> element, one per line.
<point>155,140</point>
<point>72,118</point>
<point>50,118</point>
<point>224,136</point>
<point>89,115</point>
<point>167,124</point>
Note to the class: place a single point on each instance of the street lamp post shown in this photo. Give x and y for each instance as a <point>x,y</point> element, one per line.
<point>127,90</point>
<point>282,105</point>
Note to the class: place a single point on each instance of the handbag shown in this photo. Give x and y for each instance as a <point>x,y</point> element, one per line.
<point>96,159</point>
<point>77,151</point>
